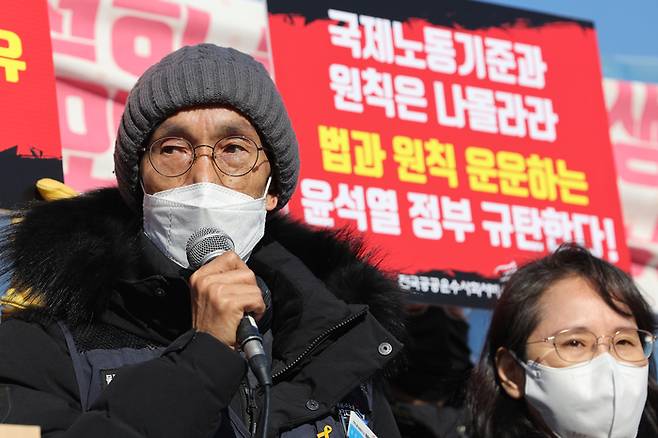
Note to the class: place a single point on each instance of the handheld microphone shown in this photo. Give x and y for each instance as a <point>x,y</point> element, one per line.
<point>203,246</point>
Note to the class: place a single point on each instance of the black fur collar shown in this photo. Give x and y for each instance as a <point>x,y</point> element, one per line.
<point>70,253</point>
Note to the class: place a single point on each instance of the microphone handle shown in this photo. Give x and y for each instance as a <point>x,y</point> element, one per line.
<point>247,331</point>
<point>251,343</point>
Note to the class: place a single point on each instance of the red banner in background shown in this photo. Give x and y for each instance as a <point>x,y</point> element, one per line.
<point>92,85</point>
<point>462,141</point>
<point>29,141</point>
<point>633,117</point>
<point>101,47</point>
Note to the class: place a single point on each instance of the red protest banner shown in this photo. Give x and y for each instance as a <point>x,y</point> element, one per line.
<point>633,118</point>
<point>29,142</point>
<point>462,140</point>
<point>100,48</point>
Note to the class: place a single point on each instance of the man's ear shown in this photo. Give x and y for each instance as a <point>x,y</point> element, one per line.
<point>510,373</point>
<point>271,201</point>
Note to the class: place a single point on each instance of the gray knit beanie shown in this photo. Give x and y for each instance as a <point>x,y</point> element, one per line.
<point>201,75</point>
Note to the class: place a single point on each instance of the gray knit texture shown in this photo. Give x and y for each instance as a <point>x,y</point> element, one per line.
<point>202,75</point>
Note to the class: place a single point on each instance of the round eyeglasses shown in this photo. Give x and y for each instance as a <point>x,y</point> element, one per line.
<point>233,156</point>
<point>579,345</point>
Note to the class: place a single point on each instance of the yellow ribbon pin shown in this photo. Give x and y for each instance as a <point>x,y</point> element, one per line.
<point>325,433</point>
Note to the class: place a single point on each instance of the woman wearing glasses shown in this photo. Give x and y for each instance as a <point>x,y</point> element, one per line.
<point>567,354</point>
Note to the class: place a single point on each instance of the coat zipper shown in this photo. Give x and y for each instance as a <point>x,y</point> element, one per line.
<point>245,421</point>
<point>247,403</point>
<point>315,342</point>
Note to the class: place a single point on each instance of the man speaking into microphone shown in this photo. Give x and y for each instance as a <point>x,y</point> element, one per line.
<point>125,337</point>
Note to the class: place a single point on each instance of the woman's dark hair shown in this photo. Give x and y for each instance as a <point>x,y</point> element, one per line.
<point>495,414</point>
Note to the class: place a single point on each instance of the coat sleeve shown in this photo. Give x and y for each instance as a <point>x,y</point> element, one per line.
<point>181,393</point>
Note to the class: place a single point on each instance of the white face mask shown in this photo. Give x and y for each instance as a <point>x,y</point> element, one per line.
<point>602,398</point>
<point>171,216</point>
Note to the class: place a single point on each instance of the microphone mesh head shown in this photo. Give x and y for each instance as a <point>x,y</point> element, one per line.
<point>205,244</point>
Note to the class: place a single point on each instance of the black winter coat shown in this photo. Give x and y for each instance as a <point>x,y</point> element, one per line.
<point>90,270</point>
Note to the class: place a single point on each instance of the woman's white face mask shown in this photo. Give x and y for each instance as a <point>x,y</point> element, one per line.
<point>601,398</point>
<point>172,216</point>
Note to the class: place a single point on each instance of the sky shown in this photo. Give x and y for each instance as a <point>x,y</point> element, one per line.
<point>627,32</point>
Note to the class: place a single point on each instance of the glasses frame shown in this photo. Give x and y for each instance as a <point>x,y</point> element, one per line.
<point>194,154</point>
<point>611,345</point>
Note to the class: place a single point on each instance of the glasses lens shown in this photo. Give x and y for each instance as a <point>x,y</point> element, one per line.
<point>171,156</point>
<point>633,345</point>
<point>575,345</point>
<point>236,156</point>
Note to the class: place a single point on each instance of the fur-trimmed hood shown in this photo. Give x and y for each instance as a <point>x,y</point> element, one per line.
<point>69,254</point>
